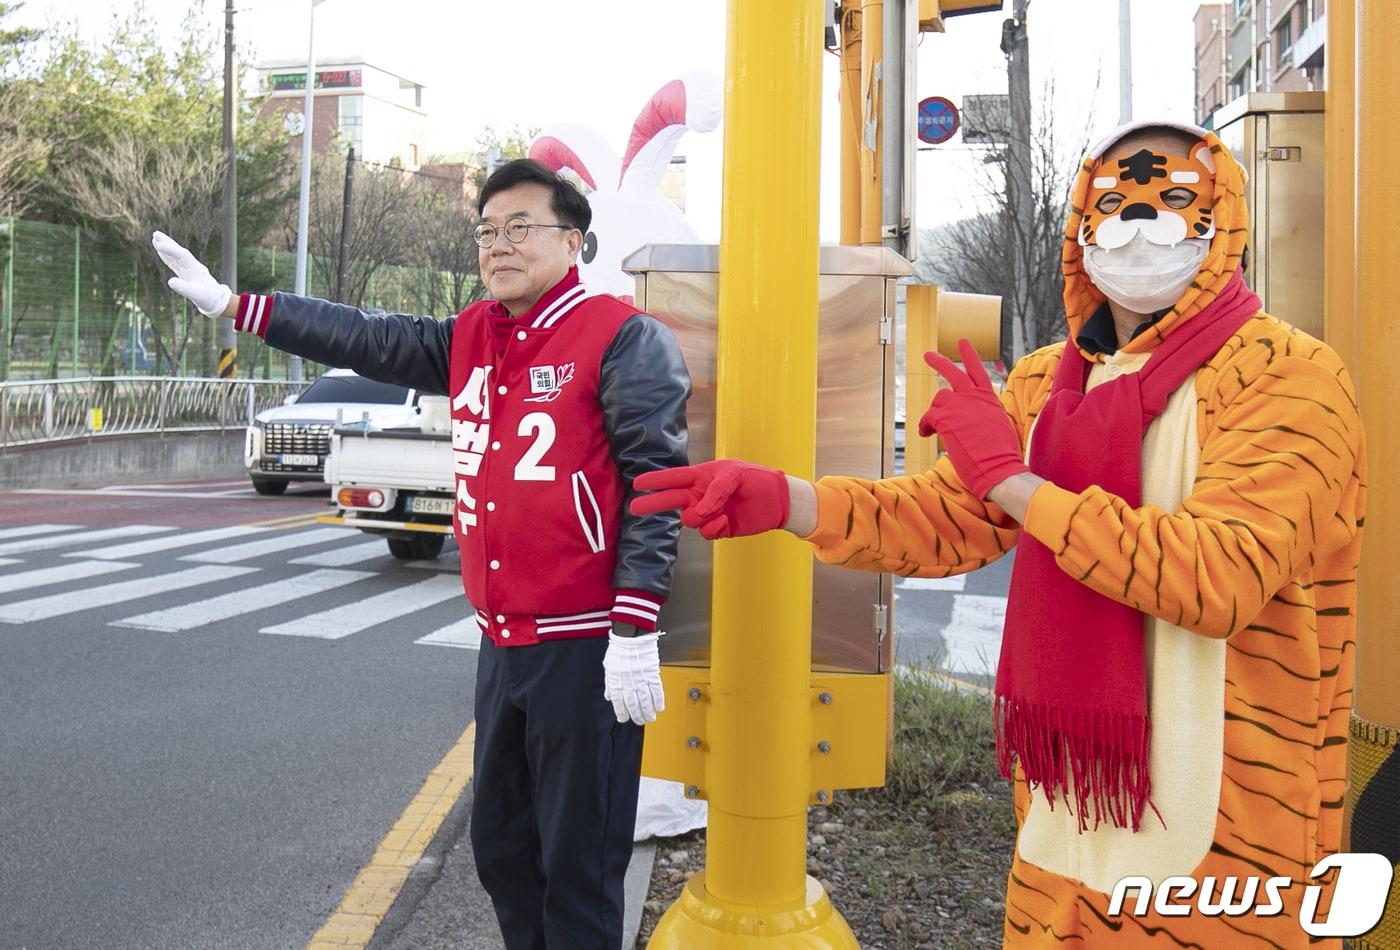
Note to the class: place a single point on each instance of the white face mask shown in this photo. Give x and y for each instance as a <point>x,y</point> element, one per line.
<point>1142,276</point>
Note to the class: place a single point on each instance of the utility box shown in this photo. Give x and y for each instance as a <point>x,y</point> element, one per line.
<point>1278,138</point>
<point>852,611</point>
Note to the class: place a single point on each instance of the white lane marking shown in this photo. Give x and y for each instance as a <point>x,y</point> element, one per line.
<point>8,560</point>
<point>82,537</point>
<point>246,601</point>
<point>167,543</point>
<point>464,634</point>
<point>89,492</point>
<point>352,618</point>
<point>956,582</point>
<point>973,634</point>
<point>29,529</point>
<point>282,542</point>
<point>341,557</point>
<point>56,605</point>
<point>174,487</point>
<point>57,575</point>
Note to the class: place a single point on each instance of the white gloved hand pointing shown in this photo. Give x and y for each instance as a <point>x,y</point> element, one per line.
<point>632,677</point>
<point>192,279</point>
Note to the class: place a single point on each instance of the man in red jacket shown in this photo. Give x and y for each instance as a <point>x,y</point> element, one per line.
<point>560,398</point>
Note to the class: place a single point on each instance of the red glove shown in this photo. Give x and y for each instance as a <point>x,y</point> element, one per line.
<point>725,498</point>
<point>977,433</point>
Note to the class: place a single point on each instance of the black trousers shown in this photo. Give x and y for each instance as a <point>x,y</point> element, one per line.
<point>555,798</point>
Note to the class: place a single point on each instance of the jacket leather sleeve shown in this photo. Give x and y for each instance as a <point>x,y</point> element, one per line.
<point>643,387</point>
<point>389,348</point>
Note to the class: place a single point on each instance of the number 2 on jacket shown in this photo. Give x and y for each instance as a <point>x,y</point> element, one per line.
<point>529,469</point>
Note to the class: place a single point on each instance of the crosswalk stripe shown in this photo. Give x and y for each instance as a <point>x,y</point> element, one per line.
<point>286,521</point>
<point>245,601</point>
<point>282,542</point>
<point>82,537</point>
<point>56,605</point>
<point>464,634</point>
<point>169,542</point>
<point>57,575</point>
<point>341,557</point>
<point>352,618</point>
<point>8,560</point>
<point>28,529</point>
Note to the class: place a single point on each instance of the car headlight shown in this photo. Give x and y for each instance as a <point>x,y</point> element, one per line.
<point>252,443</point>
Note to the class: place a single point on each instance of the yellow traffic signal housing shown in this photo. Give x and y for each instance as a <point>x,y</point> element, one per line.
<point>932,12</point>
<point>935,319</point>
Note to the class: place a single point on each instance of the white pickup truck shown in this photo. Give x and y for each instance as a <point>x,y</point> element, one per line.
<point>395,480</point>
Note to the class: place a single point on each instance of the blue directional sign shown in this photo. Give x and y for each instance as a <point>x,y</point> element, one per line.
<point>938,120</point>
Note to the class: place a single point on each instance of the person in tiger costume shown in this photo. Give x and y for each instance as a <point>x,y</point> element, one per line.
<point>1183,481</point>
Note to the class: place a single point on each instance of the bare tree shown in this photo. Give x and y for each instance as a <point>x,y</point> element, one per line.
<point>21,151</point>
<point>386,206</point>
<point>133,186</point>
<point>972,254</point>
<point>451,277</point>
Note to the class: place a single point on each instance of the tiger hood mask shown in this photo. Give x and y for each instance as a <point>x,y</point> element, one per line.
<point>1159,233</point>
<point>1154,230</point>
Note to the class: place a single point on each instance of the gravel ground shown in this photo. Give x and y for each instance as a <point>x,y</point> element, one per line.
<point>930,879</point>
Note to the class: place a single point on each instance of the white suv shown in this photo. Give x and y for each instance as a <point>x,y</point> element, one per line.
<point>291,442</point>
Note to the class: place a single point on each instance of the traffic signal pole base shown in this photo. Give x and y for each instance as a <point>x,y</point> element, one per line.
<point>701,921</point>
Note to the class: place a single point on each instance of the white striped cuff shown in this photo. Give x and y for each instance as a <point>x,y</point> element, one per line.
<point>637,607</point>
<point>254,313</point>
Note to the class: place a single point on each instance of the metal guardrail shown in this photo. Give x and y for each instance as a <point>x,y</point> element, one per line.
<point>52,410</point>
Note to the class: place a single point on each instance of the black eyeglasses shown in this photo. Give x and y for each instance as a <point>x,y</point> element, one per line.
<point>516,232</point>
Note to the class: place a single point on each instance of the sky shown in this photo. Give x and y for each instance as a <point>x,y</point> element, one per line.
<point>531,63</point>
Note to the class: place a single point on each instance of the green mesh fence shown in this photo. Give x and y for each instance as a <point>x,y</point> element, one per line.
<point>72,305</point>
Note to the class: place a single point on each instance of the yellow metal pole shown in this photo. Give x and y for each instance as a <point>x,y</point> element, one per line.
<point>920,382</point>
<point>1377,250</point>
<point>1375,726</point>
<point>1339,223</point>
<point>851,108</point>
<point>754,889</point>
<point>872,51</point>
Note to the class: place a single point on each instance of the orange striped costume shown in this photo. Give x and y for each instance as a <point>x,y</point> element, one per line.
<point>1246,572</point>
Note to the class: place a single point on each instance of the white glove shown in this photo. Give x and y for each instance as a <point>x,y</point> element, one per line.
<point>192,279</point>
<point>632,677</point>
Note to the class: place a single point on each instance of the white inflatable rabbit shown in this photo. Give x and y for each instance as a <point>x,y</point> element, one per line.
<point>628,210</point>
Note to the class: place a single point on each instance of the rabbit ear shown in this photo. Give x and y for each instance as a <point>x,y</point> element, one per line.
<point>694,101</point>
<point>580,150</point>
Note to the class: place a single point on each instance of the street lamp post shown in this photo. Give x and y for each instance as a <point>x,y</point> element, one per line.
<point>304,207</point>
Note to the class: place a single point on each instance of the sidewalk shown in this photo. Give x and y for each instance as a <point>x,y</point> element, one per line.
<point>443,907</point>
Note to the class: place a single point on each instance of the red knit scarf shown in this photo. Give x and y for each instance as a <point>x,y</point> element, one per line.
<point>1071,690</point>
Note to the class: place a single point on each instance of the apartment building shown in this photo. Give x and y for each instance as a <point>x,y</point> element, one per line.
<point>1257,46</point>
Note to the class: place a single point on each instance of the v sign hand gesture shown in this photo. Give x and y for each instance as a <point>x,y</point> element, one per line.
<point>981,441</point>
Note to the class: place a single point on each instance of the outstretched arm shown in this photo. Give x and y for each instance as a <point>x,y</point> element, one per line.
<point>397,348</point>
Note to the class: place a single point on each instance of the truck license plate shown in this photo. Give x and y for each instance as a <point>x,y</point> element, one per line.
<point>424,505</point>
<point>304,460</point>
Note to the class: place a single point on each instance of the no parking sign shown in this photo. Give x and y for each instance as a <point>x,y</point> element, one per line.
<point>938,120</point>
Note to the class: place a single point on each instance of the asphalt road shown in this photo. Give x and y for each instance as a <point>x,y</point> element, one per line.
<point>200,743</point>
<point>213,710</point>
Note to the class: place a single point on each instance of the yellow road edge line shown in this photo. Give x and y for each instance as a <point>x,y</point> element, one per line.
<point>377,886</point>
<point>943,678</point>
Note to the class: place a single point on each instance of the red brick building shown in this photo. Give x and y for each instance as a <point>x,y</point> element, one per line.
<point>356,103</point>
